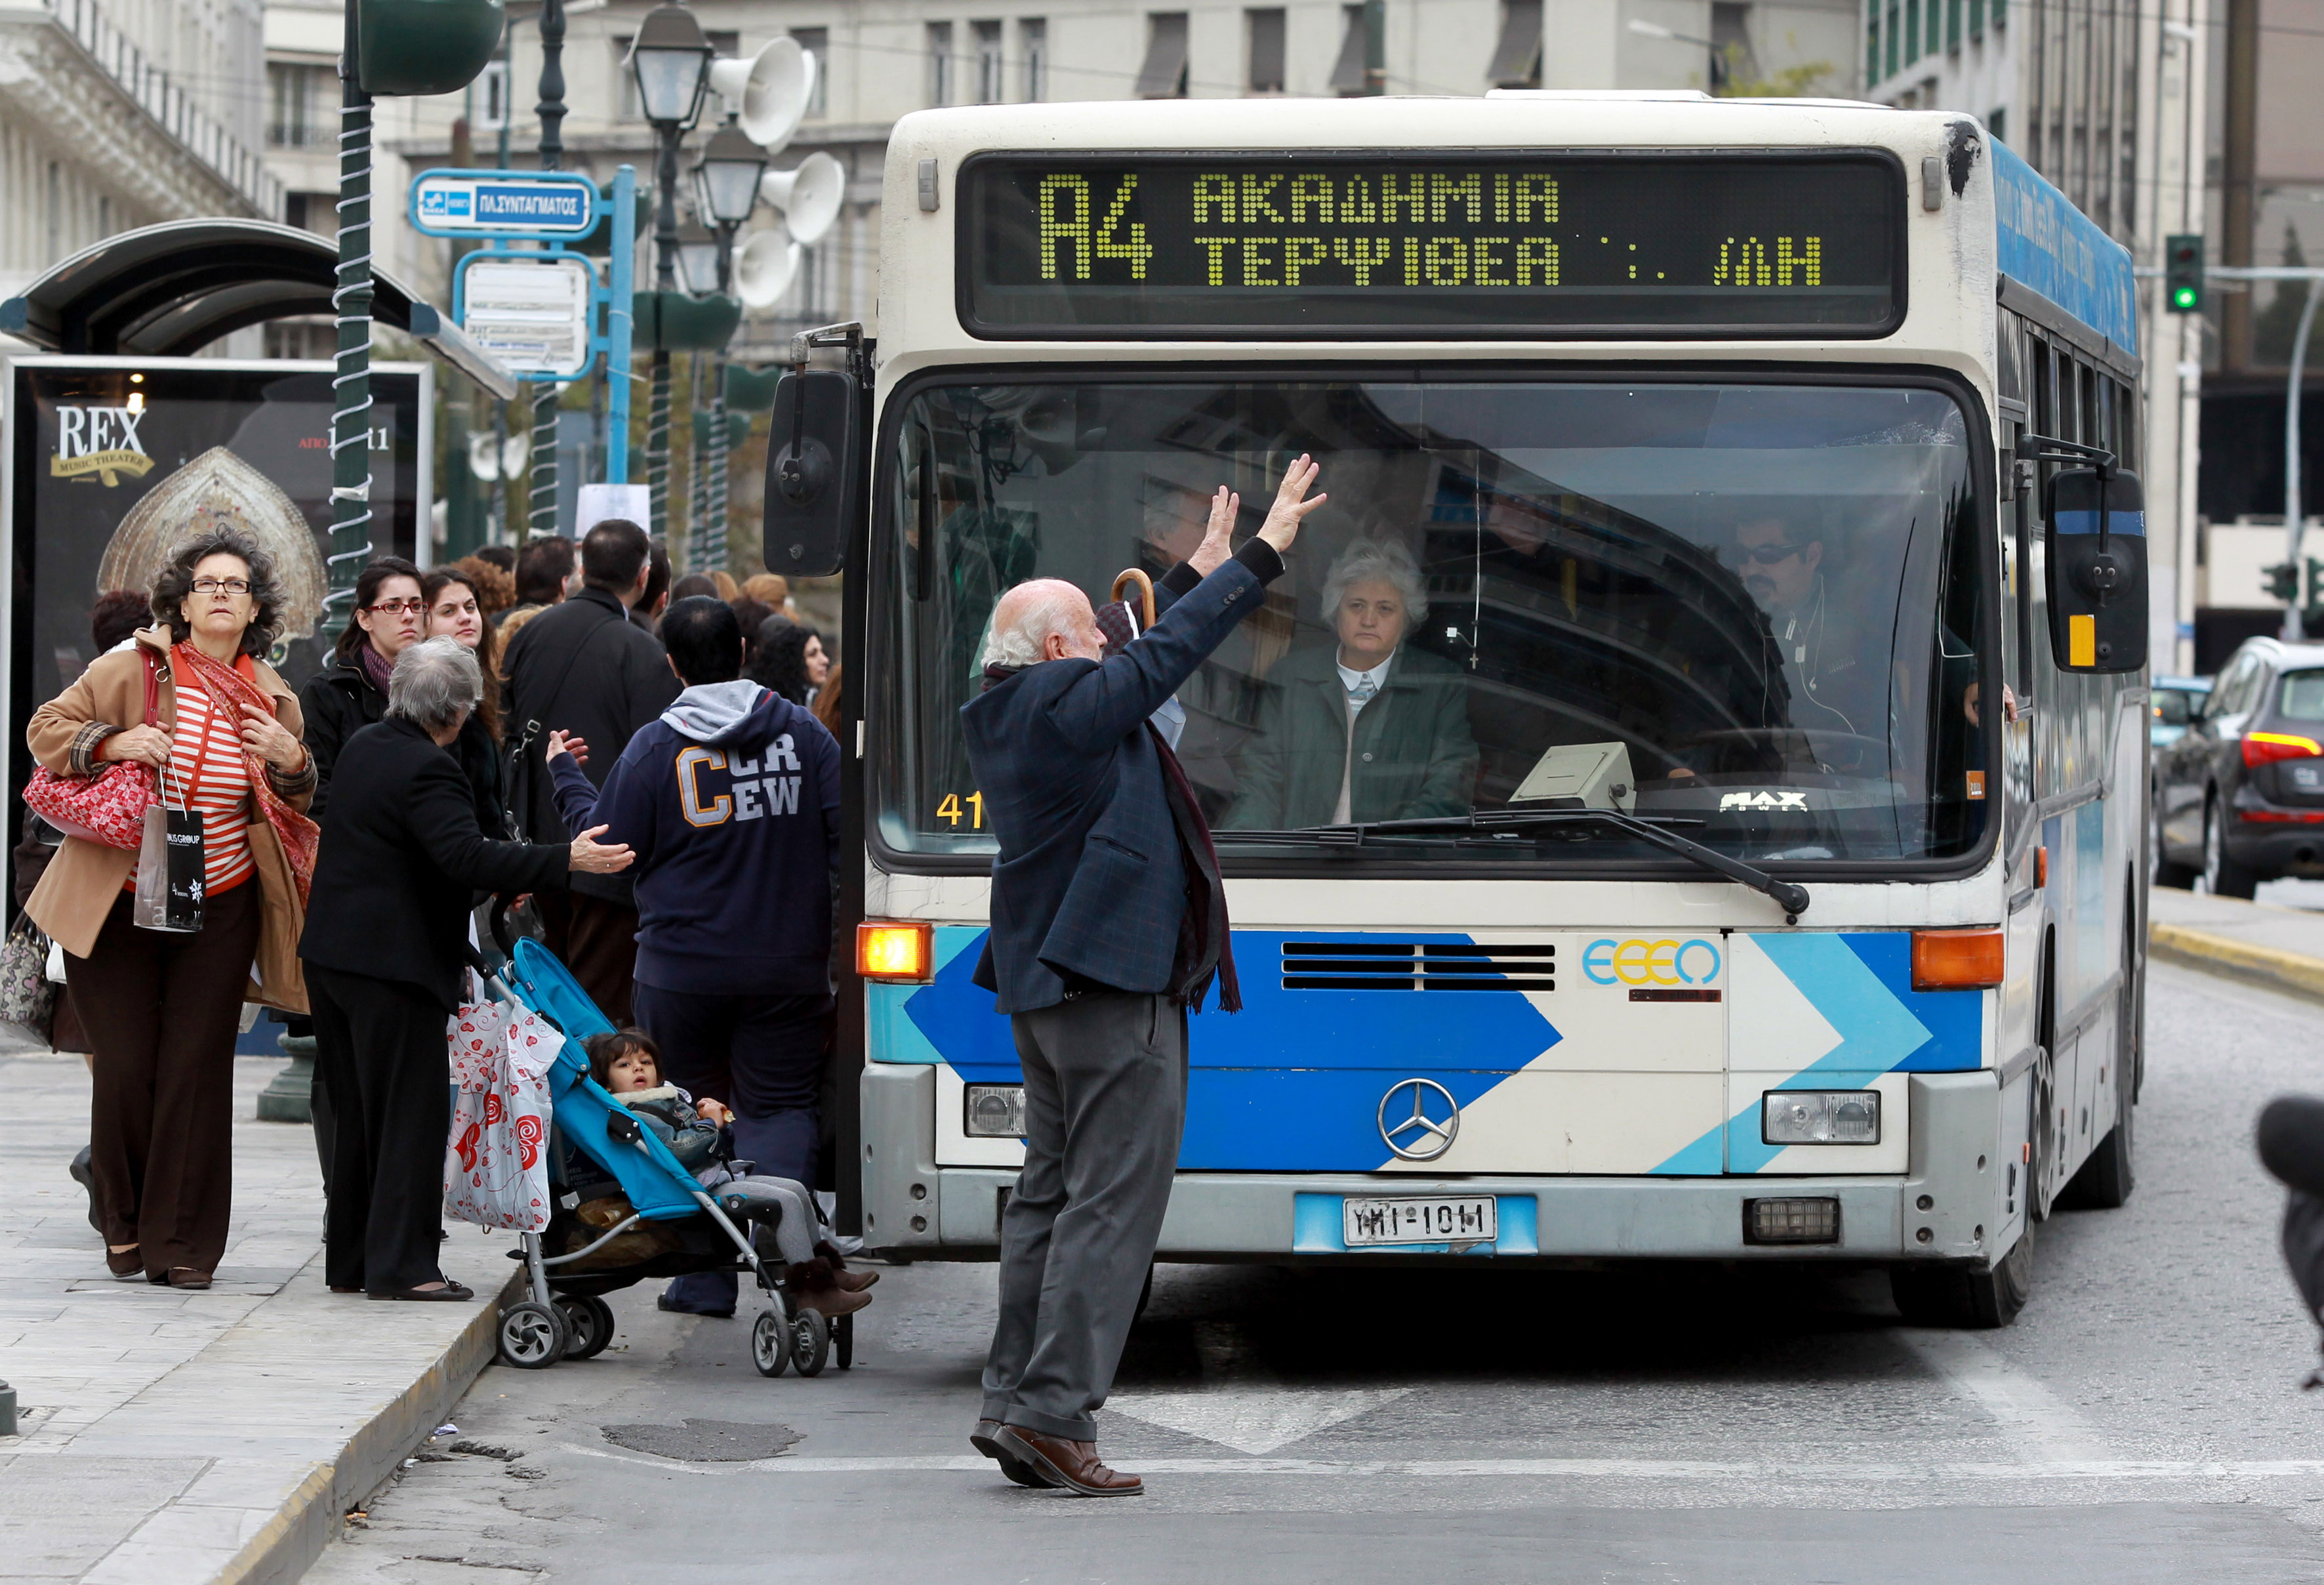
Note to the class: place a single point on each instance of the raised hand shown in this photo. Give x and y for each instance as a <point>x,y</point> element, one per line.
<point>563,743</point>
<point>1213,552</point>
<point>1291,507</point>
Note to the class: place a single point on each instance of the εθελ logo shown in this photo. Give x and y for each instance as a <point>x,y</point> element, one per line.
<point>1640,962</point>
<point>99,440</point>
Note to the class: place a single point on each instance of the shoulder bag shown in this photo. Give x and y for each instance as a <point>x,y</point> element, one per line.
<point>109,808</point>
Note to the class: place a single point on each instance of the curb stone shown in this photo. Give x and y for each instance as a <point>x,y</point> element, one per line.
<point>2291,972</point>
<point>287,1545</point>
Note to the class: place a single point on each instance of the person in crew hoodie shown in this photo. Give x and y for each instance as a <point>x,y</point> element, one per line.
<point>731,802</point>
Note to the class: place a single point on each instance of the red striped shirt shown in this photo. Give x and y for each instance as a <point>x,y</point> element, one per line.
<point>206,771</point>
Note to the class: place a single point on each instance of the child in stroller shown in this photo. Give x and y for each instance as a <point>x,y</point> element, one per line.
<point>628,1065</point>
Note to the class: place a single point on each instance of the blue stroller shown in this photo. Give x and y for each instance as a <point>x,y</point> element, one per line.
<point>685,1228</point>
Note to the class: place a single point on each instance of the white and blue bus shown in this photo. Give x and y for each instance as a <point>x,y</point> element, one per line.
<point>1740,857</point>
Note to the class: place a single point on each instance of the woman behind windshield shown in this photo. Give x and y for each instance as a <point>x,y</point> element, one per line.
<point>1367,729</point>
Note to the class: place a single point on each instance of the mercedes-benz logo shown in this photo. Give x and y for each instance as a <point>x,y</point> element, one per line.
<point>1416,1135</point>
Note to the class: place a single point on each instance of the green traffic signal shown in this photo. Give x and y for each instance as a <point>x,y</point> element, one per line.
<point>2182,273</point>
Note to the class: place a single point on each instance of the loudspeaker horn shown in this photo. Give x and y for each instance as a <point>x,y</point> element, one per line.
<point>772,88</point>
<point>764,267</point>
<point>808,197</point>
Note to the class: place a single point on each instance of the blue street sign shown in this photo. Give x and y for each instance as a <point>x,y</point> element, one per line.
<point>504,203</point>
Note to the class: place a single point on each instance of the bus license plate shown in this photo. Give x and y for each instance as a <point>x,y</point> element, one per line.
<point>1463,1220</point>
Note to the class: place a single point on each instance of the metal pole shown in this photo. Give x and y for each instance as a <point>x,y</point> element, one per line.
<point>2295,522</point>
<point>351,300</point>
<point>542,517</point>
<point>665,280</point>
<point>618,327</point>
<point>716,533</point>
<point>697,470</point>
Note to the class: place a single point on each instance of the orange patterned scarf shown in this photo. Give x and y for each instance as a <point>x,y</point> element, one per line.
<point>226,685</point>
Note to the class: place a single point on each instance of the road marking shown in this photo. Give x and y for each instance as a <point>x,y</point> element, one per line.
<point>2044,1429</point>
<point>1239,1403</point>
<point>1803,1472</point>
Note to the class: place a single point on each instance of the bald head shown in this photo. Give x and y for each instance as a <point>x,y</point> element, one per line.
<point>1046,619</point>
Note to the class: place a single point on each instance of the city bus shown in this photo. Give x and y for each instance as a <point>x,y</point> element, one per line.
<point>1737,855</point>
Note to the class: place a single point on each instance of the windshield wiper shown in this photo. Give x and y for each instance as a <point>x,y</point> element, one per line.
<point>1791,898</point>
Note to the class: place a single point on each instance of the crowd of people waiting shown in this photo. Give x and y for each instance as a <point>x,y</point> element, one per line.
<point>520,726</point>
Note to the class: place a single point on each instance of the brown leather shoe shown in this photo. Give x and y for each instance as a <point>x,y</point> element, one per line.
<point>982,1439</point>
<point>189,1279</point>
<point>845,1280</point>
<point>808,1286</point>
<point>1072,1465</point>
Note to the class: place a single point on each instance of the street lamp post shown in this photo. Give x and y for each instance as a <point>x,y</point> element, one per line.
<point>698,271</point>
<point>351,300</point>
<point>726,189</point>
<point>541,520</point>
<point>671,61</point>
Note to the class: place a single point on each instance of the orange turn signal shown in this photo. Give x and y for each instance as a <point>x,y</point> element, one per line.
<point>905,953</point>
<point>1956,960</point>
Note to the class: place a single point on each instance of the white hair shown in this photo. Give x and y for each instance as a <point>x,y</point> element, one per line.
<point>1049,610</point>
<point>434,684</point>
<point>1377,560</point>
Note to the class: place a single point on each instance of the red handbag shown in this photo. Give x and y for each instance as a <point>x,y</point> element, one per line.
<point>107,809</point>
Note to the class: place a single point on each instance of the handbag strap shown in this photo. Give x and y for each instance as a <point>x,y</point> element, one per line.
<point>152,685</point>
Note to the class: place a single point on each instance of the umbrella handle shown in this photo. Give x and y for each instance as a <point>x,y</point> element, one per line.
<point>1145,593</point>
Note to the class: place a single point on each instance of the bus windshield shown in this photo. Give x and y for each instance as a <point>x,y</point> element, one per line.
<point>1756,610</point>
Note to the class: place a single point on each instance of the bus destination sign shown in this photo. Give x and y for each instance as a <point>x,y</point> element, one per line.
<point>1427,246</point>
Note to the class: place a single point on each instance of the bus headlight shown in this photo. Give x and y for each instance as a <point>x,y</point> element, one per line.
<point>994,1111</point>
<point>1820,1117</point>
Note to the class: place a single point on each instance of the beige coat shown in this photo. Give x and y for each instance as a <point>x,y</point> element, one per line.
<point>85,878</point>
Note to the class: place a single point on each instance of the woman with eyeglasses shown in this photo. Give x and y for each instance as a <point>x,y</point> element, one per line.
<point>220,735</point>
<point>350,691</point>
<point>456,612</point>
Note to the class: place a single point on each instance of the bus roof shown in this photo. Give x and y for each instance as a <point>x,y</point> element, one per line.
<point>2042,242</point>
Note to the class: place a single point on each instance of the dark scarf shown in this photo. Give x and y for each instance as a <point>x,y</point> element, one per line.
<point>377,666</point>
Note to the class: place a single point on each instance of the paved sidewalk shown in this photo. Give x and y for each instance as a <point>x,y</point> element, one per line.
<point>173,1437</point>
<point>2280,947</point>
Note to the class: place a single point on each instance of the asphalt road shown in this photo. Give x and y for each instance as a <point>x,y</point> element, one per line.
<point>2140,1423</point>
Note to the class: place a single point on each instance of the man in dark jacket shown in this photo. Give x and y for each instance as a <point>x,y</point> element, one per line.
<point>1109,921</point>
<point>587,669</point>
<point>731,802</point>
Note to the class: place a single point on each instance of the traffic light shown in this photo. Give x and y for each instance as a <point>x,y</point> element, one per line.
<point>2183,274</point>
<point>2283,581</point>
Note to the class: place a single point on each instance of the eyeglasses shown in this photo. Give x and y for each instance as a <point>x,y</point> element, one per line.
<point>399,607</point>
<point>1768,555</point>
<point>221,586</point>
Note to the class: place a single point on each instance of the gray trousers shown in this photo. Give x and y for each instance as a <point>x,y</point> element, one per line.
<point>1105,1102</point>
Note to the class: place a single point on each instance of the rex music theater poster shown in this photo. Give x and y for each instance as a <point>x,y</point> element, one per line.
<point>111,461</point>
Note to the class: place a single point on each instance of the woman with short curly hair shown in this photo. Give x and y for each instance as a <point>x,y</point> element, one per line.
<point>221,737</point>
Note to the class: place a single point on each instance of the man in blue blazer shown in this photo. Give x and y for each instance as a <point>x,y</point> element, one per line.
<point>1109,922</point>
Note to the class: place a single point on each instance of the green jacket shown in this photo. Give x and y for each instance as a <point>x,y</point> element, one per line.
<point>1414,756</point>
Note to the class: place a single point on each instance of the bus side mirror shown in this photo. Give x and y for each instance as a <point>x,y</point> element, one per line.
<point>814,473</point>
<point>2097,572</point>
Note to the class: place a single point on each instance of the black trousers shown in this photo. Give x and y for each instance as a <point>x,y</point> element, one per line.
<point>380,1050</point>
<point>161,1011</point>
<point>763,1055</point>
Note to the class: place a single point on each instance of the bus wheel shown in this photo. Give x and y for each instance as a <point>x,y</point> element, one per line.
<point>1956,1296</point>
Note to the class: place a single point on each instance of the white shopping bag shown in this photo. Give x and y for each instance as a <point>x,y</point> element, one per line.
<point>496,1161</point>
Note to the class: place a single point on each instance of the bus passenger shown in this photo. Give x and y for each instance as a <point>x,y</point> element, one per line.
<point>1371,729</point>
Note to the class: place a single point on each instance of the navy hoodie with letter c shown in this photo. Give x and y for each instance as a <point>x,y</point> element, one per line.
<point>731,802</point>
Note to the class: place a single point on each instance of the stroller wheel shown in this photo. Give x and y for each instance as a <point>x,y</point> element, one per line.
<point>810,1343</point>
<point>842,1339</point>
<point>588,1322</point>
<point>767,1352</point>
<point>532,1335</point>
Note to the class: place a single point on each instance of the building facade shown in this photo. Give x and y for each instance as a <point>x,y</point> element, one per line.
<point>120,114</point>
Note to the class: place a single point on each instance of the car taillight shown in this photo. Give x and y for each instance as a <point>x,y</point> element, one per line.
<point>2265,748</point>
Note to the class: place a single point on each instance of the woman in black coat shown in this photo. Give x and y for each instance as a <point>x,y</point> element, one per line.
<point>385,941</point>
<point>350,693</point>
